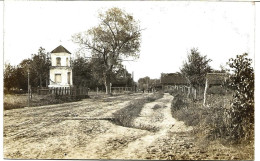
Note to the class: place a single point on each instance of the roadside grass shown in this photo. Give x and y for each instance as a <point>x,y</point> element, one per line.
<point>15,101</point>
<point>211,122</point>
<point>125,116</point>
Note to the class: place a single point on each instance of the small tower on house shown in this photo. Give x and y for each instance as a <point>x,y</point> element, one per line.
<point>60,70</point>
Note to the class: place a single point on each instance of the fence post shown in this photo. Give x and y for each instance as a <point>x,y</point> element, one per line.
<point>195,93</point>
<point>205,92</point>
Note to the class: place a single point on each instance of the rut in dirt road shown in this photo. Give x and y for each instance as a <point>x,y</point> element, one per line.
<point>155,116</point>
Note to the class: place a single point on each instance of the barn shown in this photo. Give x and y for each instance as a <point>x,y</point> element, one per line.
<point>170,80</point>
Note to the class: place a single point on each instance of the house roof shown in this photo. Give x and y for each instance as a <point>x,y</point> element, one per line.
<point>60,49</point>
<point>216,78</point>
<point>172,79</point>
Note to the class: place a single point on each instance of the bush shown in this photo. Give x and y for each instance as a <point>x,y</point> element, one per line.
<point>242,111</point>
<point>212,122</point>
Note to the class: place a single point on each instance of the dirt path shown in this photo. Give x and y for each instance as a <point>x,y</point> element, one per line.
<point>79,130</point>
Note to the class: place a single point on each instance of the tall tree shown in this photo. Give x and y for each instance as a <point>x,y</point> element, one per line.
<point>40,68</point>
<point>196,68</point>
<point>116,37</point>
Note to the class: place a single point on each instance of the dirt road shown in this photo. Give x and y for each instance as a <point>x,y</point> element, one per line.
<point>80,130</point>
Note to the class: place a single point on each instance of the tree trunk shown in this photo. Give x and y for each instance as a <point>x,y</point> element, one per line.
<point>40,80</point>
<point>108,84</point>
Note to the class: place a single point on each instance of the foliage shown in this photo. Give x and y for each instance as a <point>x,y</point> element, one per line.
<point>16,77</point>
<point>196,68</point>
<point>9,76</point>
<point>39,68</point>
<point>116,37</point>
<point>242,81</point>
<point>143,83</point>
<point>88,72</point>
<point>226,117</point>
<point>83,73</point>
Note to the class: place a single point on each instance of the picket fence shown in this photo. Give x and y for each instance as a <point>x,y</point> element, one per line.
<point>64,91</point>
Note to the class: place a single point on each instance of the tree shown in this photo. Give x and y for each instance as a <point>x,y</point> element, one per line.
<point>116,37</point>
<point>22,74</point>
<point>39,68</point>
<point>83,73</point>
<point>144,83</point>
<point>242,111</point>
<point>196,68</point>
<point>121,76</point>
<point>9,76</point>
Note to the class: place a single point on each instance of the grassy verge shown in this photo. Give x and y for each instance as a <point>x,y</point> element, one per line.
<point>125,116</point>
<point>212,122</point>
<point>15,101</point>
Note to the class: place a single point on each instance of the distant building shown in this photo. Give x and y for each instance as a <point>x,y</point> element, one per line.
<point>172,79</point>
<point>216,79</point>
<point>60,70</point>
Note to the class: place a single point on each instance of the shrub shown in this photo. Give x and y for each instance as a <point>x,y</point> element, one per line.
<point>242,111</point>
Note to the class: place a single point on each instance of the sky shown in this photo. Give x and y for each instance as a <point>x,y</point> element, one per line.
<point>220,30</point>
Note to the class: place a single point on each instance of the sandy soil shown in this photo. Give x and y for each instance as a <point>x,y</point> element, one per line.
<point>80,130</point>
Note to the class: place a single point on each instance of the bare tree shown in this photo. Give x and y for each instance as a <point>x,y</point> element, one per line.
<point>117,36</point>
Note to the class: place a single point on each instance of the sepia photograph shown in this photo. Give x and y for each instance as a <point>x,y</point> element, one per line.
<point>129,80</point>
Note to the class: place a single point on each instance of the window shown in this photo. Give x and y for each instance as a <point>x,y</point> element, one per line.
<point>58,61</point>
<point>58,78</point>
<point>67,61</point>
<point>68,77</point>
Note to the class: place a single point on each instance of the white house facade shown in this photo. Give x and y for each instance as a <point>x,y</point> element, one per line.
<point>60,70</point>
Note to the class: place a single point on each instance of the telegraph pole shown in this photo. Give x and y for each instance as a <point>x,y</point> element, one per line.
<point>28,87</point>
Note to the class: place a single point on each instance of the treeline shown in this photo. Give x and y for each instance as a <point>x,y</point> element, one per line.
<point>89,73</point>
<point>86,73</point>
<point>16,77</point>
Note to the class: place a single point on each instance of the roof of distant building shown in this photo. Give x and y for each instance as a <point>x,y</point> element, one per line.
<point>216,78</point>
<point>173,79</point>
<point>60,49</point>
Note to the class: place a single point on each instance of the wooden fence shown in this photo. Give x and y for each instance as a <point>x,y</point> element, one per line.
<point>64,91</point>
<point>121,89</point>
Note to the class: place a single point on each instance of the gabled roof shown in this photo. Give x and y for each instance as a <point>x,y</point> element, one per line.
<point>60,49</point>
<point>216,78</point>
<point>173,79</point>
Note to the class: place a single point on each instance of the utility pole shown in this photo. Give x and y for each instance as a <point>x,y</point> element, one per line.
<point>28,87</point>
<point>125,78</point>
<point>133,83</point>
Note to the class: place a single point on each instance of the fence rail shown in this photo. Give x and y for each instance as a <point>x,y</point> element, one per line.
<point>64,91</point>
<point>121,89</point>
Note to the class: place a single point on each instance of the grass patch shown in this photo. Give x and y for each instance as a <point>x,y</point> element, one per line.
<point>126,116</point>
<point>212,121</point>
<point>15,101</point>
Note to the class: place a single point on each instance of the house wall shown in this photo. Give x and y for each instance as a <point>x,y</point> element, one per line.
<point>64,77</point>
<point>63,69</point>
<point>63,57</point>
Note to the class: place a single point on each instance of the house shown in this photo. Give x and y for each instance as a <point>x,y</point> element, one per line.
<point>60,70</point>
<point>216,79</point>
<point>168,80</point>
